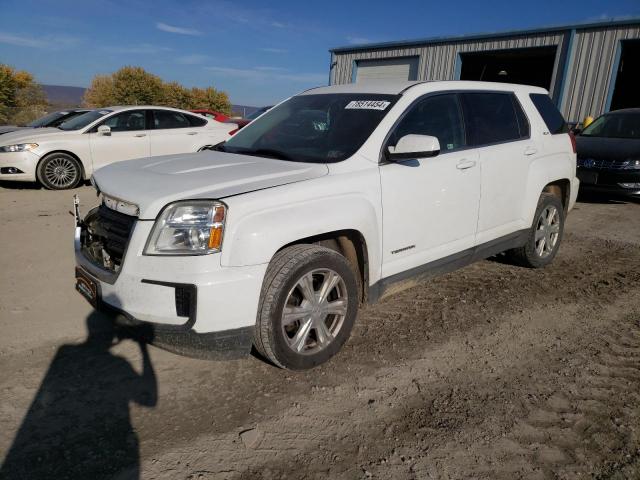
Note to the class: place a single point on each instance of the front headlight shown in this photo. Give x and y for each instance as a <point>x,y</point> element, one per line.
<point>632,164</point>
<point>193,227</point>
<point>21,147</point>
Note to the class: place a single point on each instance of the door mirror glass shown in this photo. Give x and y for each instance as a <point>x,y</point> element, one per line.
<point>104,130</point>
<point>414,146</point>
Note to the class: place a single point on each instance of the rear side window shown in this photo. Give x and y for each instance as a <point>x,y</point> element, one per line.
<point>493,118</point>
<point>549,113</point>
<point>165,119</point>
<point>197,121</point>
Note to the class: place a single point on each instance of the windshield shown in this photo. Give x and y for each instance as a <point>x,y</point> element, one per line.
<point>313,128</point>
<point>620,125</point>
<point>46,120</point>
<point>83,120</point>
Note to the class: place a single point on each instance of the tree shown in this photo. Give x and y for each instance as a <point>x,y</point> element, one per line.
<point>21,98</point>
<point>135,86</point>
<point>176,96</point>
<point>211,99</point>
<point>127,86</point>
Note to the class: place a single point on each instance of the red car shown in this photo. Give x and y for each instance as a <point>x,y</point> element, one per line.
<point>217,116</point>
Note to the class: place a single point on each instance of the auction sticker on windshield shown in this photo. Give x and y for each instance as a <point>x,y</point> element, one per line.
<point>367,105</point>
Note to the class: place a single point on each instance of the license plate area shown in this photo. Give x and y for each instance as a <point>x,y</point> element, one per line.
<point>587,177</point>
<point>87,287</point>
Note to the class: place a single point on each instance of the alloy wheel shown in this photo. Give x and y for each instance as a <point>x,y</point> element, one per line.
<point>547,231</point>
<point>314,311</point>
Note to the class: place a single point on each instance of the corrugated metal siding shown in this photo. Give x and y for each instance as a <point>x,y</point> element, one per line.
<point>438,61</point>
<point>589,75</point>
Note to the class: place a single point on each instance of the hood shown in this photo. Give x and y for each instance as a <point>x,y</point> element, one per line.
<point>608,148</point>
<point>29,135</point>
<point>152,183</point>
<point>10,128</point>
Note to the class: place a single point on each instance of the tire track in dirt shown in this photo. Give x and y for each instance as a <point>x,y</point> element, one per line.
<point>321,439</point>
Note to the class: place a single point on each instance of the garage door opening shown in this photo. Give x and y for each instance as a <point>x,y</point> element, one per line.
<point>405,68</point>
<point>525,66</point>
<point>626,93</point>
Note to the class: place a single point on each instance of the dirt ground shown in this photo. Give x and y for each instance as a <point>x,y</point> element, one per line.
<point>491,372</point>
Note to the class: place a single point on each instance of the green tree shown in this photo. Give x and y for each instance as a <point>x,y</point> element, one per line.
<point>210,98</point>
<point>21,98</point>
<point>176,96</point>
<point>135,86</point>
<point>127,86</point>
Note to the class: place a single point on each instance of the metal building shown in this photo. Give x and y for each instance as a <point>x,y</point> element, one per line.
<point>587,68</point>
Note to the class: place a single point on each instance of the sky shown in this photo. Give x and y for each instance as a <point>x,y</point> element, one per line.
<point>259,52</point>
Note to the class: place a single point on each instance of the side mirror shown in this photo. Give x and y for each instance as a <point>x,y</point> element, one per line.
<point>104,130</point>
<point>576,131</point>
<point>414,146</point>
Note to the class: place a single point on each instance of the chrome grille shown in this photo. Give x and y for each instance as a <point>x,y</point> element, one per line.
<point>600,164</point>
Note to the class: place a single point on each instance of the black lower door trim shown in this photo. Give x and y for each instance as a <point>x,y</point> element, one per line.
<point>408,278</point>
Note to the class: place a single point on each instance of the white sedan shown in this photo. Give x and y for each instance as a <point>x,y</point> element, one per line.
<point>60,158</point>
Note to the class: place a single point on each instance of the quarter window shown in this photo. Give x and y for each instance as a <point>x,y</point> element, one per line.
<point>553,119</point>
<point>492,118</point>
<point>127,121</point>
<point>166,119</point>
<point>438,116</point>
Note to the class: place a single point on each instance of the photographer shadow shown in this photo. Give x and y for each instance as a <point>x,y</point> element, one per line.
<point>79,424</point>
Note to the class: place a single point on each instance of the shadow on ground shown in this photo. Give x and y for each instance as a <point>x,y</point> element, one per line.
<point>78,425</point>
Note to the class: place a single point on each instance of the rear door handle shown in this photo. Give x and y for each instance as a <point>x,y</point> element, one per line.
<point>530,151</point>
<point>138,135</point>
<point>192,133</point>
<point>464,164</point>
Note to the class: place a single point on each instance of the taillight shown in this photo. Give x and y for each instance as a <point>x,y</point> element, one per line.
<point>572,137</point>
<point>235,130</point>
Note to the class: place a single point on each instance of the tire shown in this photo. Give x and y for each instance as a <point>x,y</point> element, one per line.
<point>59,171</point>
<point>542,233</point>
<point>302,342</point>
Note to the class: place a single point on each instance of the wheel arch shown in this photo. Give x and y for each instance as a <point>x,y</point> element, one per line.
<point>352,245</point>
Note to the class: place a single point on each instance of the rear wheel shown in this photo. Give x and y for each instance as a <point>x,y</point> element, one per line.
<point>59,171</point>
<point>307,308</point>
<point>545,234</point>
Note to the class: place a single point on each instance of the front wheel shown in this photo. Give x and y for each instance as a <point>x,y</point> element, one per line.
<point>545,234</point>
<point>59,171</point>
<point>307,308</point>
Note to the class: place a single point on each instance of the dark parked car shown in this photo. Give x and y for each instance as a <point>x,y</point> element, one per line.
<point>609,153</point>
<point>51,120</point>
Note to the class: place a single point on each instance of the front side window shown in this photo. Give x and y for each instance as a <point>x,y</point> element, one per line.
<point>491,118</point>
<point>621,125</point>
<point>438,116</point>
<point>320,128</point>
<point>127,121</point>
<point>166,119</point>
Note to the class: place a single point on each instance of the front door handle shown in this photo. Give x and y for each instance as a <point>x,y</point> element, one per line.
<point>192,133</point>
<point>138,135</point>
<point>464,164</point>
<point>530,151</point>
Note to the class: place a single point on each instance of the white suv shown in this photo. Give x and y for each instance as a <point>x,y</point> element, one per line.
<point>61,157</point>
<point>336,197</point>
